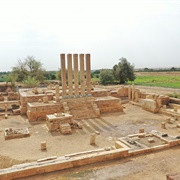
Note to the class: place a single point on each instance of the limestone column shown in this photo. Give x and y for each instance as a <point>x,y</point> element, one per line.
<point>70,84</point>
<point>76,82</point>
<point>88,73</point>
<point>57,93</point>
<point>82,74</point>
<point>129,92</point>
<point>133,92</point>
<point>63,74</point>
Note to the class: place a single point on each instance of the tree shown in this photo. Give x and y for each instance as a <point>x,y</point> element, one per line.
<point>106,76</point>
<point>123,71</point>
<point>29,68</point>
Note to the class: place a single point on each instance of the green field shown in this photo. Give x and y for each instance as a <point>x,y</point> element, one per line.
<point>3,78</point>
<point>168,81</point>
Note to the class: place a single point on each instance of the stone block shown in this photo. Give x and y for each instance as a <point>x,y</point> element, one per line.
<point>93,139</point>
<point>43,145</point>
<point>141,130</point>
<point>163,125</point>
<point>150,140</point>
<point>150,105</point>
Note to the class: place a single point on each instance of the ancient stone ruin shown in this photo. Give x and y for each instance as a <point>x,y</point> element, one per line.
<point>62,108</point>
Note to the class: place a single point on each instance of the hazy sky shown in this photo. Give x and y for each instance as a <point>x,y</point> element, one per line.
<point>146,32</point>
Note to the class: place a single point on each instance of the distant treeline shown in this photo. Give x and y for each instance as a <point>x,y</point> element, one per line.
<point>158,69</point>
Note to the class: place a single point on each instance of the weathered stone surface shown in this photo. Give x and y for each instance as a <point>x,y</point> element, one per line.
<point>123,91</point>
<point>26,97</point>
<point>53,121</point>
<point>81,108</point>
<point>163,125</point>
<point>93,139</point>
<point>150,105</point>
<point>13,96</point>
<point>38,111</point>
<point>43,145</point>
<point>162,100</point>
<point>109,104</point>
<point>99,92</point>
<point>150,140</point>
<point>10,133</point>
<point>65,128</point>
<point>45,99</point>
<point>1,97</point>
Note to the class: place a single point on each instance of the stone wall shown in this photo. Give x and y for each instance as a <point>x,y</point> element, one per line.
<point>13,96</point>
<point>81,108</point>
<point>109,104</point>
<point>38,111</point>
<point>5,88</point>
<point>25,98</point>
<point>99,92</point>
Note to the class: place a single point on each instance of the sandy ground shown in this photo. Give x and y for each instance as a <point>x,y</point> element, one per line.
<point>111,126</point>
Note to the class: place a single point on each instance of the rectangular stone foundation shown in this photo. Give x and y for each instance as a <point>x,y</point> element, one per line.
<point>10,133</point>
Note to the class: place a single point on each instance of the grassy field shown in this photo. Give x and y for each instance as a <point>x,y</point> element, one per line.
<point>160,79</point>
<point>3,78</point>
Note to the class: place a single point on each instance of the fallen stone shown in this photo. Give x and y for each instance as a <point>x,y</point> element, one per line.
<point>150,105</point>
<point>107,148</point>
<point>150,140</point>
<point>97,132</point>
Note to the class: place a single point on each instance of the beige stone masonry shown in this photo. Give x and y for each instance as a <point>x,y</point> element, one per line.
<point>63,74</point>
<point>76,80</point>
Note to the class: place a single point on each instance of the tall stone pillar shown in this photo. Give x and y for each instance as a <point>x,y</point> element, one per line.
<point>63,74</point>
<point>70,84</point>
<point>133,92</point>
<point>88,74</point>
<point>57,93</point>
<point>136,95</point>
<point>129,92</point>
<point>76,82</point>
<point>82,74</point>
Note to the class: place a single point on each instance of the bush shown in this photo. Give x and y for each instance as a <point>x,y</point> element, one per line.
<point>30,82</point>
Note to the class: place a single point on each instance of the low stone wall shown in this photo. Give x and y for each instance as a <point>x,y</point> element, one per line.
<point>27,98</point>
<point>109,104</point>
<point>99,92</point>
<point>175,100</point>
<point>38,111</point>
<point>65,162</point>
<point>54,163</point>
